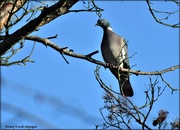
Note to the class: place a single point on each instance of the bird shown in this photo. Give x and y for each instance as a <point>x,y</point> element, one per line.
<point>115,52</point>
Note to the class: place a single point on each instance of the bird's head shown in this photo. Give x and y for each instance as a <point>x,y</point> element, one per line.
<point>103,23</point>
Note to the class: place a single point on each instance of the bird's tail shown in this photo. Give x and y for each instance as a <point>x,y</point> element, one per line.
<point>125,88</point>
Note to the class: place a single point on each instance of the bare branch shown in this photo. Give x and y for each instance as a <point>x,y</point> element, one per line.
<point>13,51</point>
<point>173,89</point>
<point>118,108</point>
<point>88,57</point>
<point>46,16</point>
<point>151,100</point>
<point>160,20</point>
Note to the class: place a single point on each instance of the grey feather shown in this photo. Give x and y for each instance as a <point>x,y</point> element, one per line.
<point>114,51</point>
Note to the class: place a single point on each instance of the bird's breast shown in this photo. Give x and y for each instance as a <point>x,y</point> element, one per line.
<point>112,50</point>
<point>108,52</point>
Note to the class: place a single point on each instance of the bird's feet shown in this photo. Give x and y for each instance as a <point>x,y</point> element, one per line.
<point>109,65</point>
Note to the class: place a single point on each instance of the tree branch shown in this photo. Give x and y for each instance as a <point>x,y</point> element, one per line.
<point>160,21</point>
<point>7,9</point>
<point>46,16</point>
<point>119,106</point>
<point>88,57</point>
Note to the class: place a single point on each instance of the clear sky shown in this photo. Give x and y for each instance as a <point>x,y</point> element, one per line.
<point>68,95</point>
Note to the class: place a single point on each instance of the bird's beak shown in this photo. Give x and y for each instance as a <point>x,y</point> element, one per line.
<point>96,24</point>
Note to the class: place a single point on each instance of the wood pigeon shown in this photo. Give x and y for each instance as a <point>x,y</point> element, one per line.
<point>114,51</point>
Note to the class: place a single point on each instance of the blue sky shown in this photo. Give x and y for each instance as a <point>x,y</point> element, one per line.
<point>68,95</point>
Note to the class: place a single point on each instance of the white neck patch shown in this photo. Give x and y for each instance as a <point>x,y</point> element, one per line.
<point>109,28</point>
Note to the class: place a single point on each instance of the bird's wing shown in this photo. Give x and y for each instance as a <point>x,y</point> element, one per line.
<point>126,60</point>
<point>121,51</point>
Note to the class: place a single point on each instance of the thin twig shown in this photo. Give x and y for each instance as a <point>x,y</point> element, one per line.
<point>159,21</point>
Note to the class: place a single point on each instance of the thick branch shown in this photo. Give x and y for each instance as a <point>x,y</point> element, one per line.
<point>7,8</point>
<point>59,8</point>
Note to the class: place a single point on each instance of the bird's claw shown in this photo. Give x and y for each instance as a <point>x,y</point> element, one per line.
<point>109,65</point>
